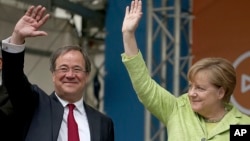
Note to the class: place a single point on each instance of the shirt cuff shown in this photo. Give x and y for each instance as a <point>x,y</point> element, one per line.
<point>127,58</point>
<point>12,48</point>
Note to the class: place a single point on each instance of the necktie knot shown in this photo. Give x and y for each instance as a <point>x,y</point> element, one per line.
<point>71,107</point>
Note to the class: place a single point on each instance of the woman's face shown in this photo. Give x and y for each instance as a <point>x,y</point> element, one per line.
<point>204,97</point>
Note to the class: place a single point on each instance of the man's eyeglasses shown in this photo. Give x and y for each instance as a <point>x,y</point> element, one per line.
<point>75,70</point>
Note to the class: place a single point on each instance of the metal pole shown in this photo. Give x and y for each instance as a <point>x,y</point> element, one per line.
<point>177,21</point>
<point>147,130</point>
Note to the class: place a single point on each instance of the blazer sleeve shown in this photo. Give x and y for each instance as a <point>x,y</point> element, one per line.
<point>20,90</point>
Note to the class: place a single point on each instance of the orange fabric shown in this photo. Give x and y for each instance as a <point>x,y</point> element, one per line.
<point>221,29</point>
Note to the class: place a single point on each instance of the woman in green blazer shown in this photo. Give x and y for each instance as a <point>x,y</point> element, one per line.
<point>205,112</point>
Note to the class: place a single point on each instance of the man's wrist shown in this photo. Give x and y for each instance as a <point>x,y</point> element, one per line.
<point>16,39</point>
<point>10,47</point>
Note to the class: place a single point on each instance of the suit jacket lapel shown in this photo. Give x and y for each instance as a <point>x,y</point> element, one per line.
<point>57,115</point>
<point>92,123</point>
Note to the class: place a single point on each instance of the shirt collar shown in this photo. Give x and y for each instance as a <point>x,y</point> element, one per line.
<point>79,104</point>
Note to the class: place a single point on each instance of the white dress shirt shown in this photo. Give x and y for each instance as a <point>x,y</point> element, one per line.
<point>81,120</point>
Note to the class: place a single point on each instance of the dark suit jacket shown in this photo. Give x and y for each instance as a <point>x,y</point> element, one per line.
<point>41,114</point>
<point>7,121</point>
<point>5,104</point>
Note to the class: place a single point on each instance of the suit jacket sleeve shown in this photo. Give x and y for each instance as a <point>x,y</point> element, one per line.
<point>19,88</point>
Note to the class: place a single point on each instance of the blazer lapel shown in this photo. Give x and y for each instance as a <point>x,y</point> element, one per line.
<point>57,115</point>
<point>92,123</point>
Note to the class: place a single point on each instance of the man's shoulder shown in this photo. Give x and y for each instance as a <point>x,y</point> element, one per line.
<point>95,112</point>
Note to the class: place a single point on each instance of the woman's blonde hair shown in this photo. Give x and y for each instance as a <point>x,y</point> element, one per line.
<point>222,74</point>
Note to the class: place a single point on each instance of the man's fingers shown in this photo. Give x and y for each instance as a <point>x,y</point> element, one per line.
<point>43,20</point>
<point>39,33</point>
<point>36,11</point>
<point>40,14</point>
<point>30,10</point>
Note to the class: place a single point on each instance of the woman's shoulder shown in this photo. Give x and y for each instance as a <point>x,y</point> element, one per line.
<point>183,100</point>
<point>244,118</point>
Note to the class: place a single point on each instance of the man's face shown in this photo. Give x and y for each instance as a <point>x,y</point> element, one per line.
<point>69,77</point>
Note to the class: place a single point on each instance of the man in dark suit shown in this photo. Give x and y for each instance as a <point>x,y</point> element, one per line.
<point>43,117</point>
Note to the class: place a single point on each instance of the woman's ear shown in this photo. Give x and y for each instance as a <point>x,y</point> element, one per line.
<point>221,93</point>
